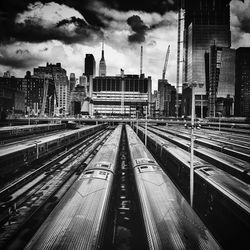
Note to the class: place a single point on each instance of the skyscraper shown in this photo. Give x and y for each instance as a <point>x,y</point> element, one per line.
<point>102,65</point>
<point>207,23</point>
<point>242,82</point>
<point>90,66</point>
<point>72,81</point>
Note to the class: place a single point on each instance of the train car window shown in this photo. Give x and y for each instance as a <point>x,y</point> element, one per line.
<point>105,165</point>
<point>147,169</point>
<point>89,172</point>
<point>151,161</point>
<point>52,145</point>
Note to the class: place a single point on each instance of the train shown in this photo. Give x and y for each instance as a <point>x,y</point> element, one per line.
<point>169,220</point>
<point>80,218</point>
<point>221,200</point>
<point>14,157</point>
<point>17,131</point>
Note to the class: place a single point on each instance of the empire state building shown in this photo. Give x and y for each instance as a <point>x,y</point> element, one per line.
<point>102,65</point>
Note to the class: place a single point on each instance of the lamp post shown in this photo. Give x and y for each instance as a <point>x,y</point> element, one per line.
<point>137,122</point>
<point>146,128</point>
<point>192,85</point>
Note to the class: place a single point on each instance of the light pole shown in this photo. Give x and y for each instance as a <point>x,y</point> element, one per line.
<point>146,128</point>
<point>192,85</point>
<point>137,122</point>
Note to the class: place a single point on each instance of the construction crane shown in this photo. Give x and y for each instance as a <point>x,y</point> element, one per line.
<point>165,63</point>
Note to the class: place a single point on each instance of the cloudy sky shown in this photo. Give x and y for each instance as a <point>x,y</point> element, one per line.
<point>35,32</point>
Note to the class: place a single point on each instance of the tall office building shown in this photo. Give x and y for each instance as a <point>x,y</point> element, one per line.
<point>207,23</point>
<point>221,85</point>
<point>90,66</point>
<point>242,82</point>
<point>167,98</point>
<point>102,65</point>
<point>58,74</point>
<point>72,81</point>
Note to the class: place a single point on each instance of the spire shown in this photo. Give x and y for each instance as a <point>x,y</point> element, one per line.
<point>102,65</point>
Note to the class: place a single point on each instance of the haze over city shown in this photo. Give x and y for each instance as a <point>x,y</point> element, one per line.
<point>36,32</point>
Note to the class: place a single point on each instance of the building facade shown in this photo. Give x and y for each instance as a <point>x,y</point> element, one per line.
<point>156,104</point>
<point>242,82</point>
<point>90,66</point>
<point>124,95</point>
<point>12,97</point>
<point>207,23</point>
<point>221,85</point>
<point>58,75</point>
<point>40,95</point>
<point>167,98</point>
<point>72,81</point>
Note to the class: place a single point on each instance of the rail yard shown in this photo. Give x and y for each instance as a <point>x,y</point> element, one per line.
<point>123,186</point>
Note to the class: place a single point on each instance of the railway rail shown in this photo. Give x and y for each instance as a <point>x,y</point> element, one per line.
<point>169,220</point>
<point>20,156</point>
<point>226,146</point>
<point>79,220</point>
<point>222,201</point>
<point>31,193</point>
<point>231,164</point>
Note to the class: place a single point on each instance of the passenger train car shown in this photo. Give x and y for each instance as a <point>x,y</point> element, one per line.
<point>169,220</point>
<point>14,157</point>
<point>79,219</point>
<point>17,131</point>
<point>221,200</point>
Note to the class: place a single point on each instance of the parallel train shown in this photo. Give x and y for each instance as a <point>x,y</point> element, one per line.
<point>17,131</point>
<point>169,220</point>
<point>13,158</point>
<point>80,218</point>
<point>220,199</point>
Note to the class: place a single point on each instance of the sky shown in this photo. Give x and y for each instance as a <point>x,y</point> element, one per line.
<point>33,33</point>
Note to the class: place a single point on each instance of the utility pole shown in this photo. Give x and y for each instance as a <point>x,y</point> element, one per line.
<point>122,97</point>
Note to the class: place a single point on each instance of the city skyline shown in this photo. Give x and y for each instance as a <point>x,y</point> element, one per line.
<point>36,32</point>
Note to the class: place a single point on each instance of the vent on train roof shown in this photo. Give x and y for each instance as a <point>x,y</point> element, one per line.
<point>103,165</point>
<point>144,160</point>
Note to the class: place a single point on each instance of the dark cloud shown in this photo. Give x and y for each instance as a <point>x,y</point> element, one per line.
<point>10,32</point>
<point>19,62</point>
<point>245,22</point>
<point>33,32</point>
<point>158,6</point>
<point>139,28</point>
<point>73,20</point>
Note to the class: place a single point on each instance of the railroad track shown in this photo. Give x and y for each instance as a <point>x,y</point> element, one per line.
<point>231,164</point>
<point>31,193</point>
<point>225,146</point>
<point>222,201</point>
